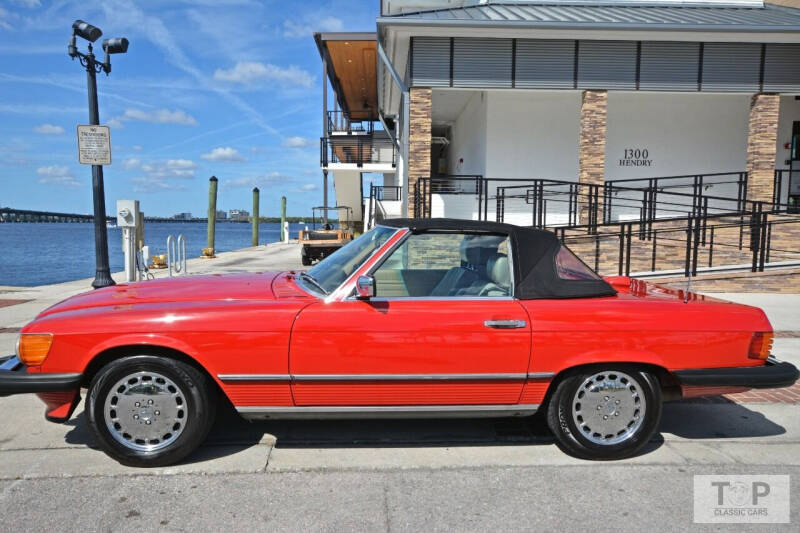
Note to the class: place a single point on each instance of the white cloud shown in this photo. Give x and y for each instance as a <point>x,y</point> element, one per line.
<point>226,154</point>
<point>57,175</point>
<point>295,142</point>
<point>169,175</point>
<point>308,187</point>
<point>310,25</point>
<point>27,3</point>
<point>131,163</point>
<point>253,72</point>
<point>48,129</point>
<point>4,17</point>
<point>256,181</point>
<point>171,168</point>
<point>157,116</point>
<point>136,148</point>
<point>115,123</point>
<point>146,184</point>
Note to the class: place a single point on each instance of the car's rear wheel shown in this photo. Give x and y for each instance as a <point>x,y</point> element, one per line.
<point>150,411</point>
<point>605,412</point>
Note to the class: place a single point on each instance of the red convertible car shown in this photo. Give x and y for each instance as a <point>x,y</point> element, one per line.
<point>414,318</point>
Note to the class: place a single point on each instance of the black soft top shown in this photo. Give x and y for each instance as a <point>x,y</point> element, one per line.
<point>533,253</point>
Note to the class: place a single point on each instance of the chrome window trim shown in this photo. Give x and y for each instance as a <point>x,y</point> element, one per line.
<point>407,236</point>
<point>336,293</point>
<point>441,298</point>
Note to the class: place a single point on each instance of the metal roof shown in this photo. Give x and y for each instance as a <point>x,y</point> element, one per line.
<point>543,15</point>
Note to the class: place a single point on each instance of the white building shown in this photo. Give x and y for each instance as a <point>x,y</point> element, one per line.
<point>463,105</point>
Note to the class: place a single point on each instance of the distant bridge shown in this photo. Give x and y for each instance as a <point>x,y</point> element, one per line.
<point>9,215</point>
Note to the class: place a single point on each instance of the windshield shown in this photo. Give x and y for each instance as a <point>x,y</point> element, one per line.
<point>334,269</point>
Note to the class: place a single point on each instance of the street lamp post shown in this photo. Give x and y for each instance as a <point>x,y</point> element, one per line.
<point>102,277</point>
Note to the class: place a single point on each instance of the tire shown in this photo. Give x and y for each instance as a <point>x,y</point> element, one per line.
<point>605,413</point>
<point>125,403</point>
<point>305,260</point>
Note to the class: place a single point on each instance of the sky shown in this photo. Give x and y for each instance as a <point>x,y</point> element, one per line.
<point>230,88</point>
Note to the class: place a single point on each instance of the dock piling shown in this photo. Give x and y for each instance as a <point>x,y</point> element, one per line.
<point>255,217</point>
<point>283,218</point>
<point>212,215</point>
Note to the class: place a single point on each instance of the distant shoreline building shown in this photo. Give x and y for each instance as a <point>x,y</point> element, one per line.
<point>239,215</point>
<point>182,216</point>
<point>222,215</point>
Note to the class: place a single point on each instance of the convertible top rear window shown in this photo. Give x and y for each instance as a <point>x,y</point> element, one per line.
<point>568,266</point>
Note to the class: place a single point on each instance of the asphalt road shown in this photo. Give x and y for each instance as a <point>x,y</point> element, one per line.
<point>615,497</point>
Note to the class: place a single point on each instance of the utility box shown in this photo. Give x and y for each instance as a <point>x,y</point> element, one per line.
<point>128,213</point>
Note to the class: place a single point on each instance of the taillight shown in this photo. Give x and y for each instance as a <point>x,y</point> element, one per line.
<point>34,347</point>
<point>760,345</point>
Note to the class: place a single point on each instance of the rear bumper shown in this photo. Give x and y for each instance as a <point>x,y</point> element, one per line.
<point>773,375</point>
<point>15,379</point>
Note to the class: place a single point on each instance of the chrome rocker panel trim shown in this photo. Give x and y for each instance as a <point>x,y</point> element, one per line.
<point>388,411</point>
<point>304,378</point>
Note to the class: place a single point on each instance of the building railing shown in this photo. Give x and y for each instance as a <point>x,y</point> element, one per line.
<point>548,202</point>
<point>456,184</point>
<point>377,195</point>
<point>339,122</point>
<point>751,241</point>
<point>720,184</point>
<point>357,149</point>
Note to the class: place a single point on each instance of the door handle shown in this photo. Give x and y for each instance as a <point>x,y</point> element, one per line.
<point>505,324</point>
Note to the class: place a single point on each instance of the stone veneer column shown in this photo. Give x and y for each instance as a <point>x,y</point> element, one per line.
<point>762,141</point>
<point>419,145</point>
<point>592,144</point>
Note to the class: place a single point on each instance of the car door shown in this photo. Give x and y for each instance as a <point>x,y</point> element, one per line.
<point>442,329</point>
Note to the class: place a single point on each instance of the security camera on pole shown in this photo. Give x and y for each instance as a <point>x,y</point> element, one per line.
<point>94,143</point>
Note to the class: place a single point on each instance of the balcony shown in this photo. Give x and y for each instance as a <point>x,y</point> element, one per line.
<point>358,150</point>
<point>339,123</point>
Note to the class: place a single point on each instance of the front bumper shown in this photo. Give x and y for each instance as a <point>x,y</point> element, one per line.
<point>15,379</point>
<point>773,375</point>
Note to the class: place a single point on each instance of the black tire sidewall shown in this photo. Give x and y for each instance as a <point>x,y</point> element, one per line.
<point>200,409</point>
<point>570,437</point>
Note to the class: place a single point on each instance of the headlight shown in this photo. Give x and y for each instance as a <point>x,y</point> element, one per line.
<point>32,348</point>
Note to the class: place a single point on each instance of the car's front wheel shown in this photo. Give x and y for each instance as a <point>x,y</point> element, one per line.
<point>150,411</point>
<point>605,412</point>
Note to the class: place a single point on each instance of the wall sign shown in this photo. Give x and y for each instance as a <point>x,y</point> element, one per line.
<point>636,157</point>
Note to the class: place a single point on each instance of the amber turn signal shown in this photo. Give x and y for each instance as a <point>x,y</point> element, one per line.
<point>34,347</point>
<point>760,345</point>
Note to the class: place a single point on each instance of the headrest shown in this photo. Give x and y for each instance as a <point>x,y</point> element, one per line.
<point>476,249</point>
<point>498,271</point>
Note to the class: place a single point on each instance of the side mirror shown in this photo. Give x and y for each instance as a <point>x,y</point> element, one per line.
<point>365,287</point>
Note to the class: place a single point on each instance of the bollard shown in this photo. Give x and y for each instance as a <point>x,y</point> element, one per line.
<point>255,218</point>
<point>283,219</point>
<point>212,216</point>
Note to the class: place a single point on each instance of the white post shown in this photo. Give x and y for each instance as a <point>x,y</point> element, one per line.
<point>286,232</point>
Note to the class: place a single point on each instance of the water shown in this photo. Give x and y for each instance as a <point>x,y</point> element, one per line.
<point>40,254</point>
